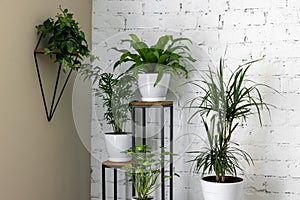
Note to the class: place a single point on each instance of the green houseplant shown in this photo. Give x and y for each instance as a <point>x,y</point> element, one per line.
<point>66,40</point>
<point>114,93</point>
<point>67,43</point>
<point>155,63</point>
<point>223,105</point>
<point>145,170</point>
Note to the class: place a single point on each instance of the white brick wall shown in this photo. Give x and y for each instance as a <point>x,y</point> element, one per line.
<point>240,30</point>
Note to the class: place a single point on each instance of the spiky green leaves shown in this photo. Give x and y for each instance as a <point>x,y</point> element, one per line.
<point>222,105</point>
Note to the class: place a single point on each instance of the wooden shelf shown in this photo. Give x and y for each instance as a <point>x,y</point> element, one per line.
<point>115,164</point>
<point>41,51</point>
<point>150,103</point>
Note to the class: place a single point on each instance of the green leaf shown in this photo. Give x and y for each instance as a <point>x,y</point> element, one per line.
<point>150,57</point>
<point>162,42</point>
<point>141,48</point>
<point>160,74</point>
<point>134,38</point>
<point>47,51</point>
<point>70,47</point>
<point>163,59</point>
<point>65,69</point>
<point>184,48</point>
<point>156,53</point>
<point>181,39</point>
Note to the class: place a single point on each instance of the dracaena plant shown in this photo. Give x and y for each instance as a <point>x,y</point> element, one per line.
<point>114,92</point>
<point>168,55</point>
<point>222,106</point>
<point>66,40</point>
<point>145,169</point>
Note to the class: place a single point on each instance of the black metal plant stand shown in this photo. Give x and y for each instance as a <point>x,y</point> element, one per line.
<point>161,106</point>
<point>56,95</point>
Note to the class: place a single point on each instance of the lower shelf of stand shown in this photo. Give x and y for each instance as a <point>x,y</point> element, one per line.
<point>115,164</point>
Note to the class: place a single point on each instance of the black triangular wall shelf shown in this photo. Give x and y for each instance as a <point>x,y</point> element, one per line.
<point>56,95</point>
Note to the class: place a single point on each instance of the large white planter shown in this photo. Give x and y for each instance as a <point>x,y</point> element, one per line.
<point>115,144</point>
<point>147,89</point>
<point>222,191</point>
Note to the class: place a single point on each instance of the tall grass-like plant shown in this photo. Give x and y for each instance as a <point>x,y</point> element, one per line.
<point>223,105</point>
<point>167,55</point>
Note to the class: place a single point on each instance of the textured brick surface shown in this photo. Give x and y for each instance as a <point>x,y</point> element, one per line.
<point>239,30</point>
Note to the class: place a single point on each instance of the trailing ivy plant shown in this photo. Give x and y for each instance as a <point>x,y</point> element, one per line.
<point>167,55</point>
<point>66,39</point>
<point>222,106</point>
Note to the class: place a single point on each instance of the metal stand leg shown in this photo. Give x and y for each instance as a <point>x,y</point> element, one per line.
<point>162,141</point>
<point>103,183</point>
<point>133,143</point>
<point>144,126</point>
<point>115,185</point>
<point>171,150</point>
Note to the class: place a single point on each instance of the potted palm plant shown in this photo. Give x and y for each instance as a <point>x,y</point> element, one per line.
<point>223,105</point>
<point>145,170</point>
<point>114,93</point>
<point>152,65</point>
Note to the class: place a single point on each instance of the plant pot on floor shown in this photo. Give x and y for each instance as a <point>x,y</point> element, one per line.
<point>148,91</point>
<point>115,144</point>
<point>230,190</point>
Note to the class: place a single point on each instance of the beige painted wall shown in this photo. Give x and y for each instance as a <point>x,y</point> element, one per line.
<point>38,160</point>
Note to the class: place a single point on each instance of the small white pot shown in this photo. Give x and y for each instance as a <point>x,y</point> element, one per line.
<point>115,144</point>
<point>147,89</point>
<point>222,191</point>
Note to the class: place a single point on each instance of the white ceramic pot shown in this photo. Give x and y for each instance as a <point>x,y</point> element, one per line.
<point>222,191</point>
<point>115,144</point>
<point>147,89</point>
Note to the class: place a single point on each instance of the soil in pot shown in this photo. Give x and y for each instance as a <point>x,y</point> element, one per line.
<point>136,198</point>
<point>228,179</point>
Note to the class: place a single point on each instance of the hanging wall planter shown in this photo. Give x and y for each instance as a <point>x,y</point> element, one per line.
<point>67,44</point>
<point>56,95</point>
